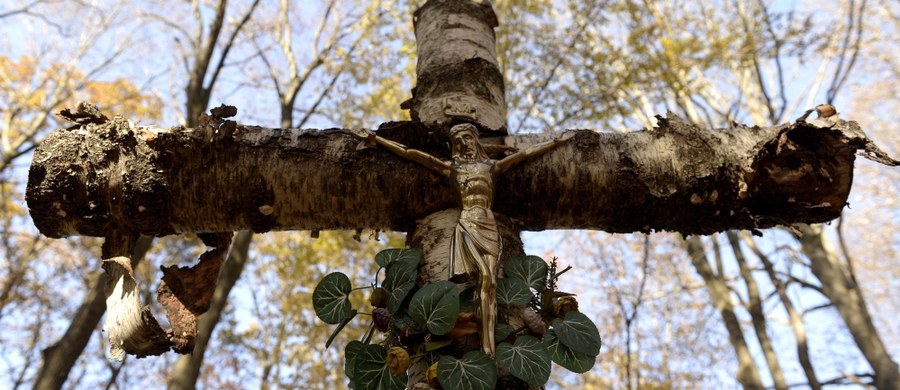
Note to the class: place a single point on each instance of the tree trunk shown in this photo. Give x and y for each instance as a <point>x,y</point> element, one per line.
<point>187,368</point>
<point>59,358</point>
<point>850,304</point>
<point>458,77</point>
<point>757,315</point>
<point>720,295</point>
<point>795,318</point>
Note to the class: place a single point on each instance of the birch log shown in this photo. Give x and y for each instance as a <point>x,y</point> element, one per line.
<point>224,177</point>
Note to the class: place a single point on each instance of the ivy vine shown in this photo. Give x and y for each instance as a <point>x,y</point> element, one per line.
<point>436,322</point>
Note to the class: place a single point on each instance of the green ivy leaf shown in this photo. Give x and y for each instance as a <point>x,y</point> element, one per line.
<point>576,362</point>
<point>390,256</point>
<point>330,298</point>
<point>578,332</point>
<point>350,351</point>
<point>475,371</point>
<point>502,331</point>
<point>527,359</point>
<point>530,269</point>
<point>513,292</point>
<point>399,279</point>
<point>371,372</point>
<point>339,328</point>
<point>436,307</point>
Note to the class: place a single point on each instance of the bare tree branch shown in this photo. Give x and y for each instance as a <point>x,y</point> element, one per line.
<point>851,274</point>
<point>229,43</point>
<point>795,318</point>
<point>845,66</point>
<point>748,374</point>
<point>560,59</point>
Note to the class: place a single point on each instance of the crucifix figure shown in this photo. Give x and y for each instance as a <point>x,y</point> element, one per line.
<point>475,246</point>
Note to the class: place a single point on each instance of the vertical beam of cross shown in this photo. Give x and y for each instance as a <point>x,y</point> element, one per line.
<point>458,78</point>
<point>459,81</point>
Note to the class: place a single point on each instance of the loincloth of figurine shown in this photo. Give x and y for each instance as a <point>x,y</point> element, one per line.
<point>475,238</point>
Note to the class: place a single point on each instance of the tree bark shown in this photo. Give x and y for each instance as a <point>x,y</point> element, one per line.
<point>187,369</point>
<point>225,177</point>
<point>59,358</point>
<point>850,304</point>
<point>458,77</point>
<point>720,295</point>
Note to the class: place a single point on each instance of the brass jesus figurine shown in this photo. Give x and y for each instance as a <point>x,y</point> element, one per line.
<point>475,245</point>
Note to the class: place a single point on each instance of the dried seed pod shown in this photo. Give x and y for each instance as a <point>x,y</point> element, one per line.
<point>564,305</point>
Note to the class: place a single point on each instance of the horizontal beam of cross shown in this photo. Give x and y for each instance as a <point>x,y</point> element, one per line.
<point>98,177</point>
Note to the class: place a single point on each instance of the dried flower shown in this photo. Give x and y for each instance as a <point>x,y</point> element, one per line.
<point>564,305</point>
<point>432,375</point>
<point>397,360</point>
<point>382,318</point>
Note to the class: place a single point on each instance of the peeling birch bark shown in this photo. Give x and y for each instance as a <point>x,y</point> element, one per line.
<point>130,328</point>
<point>184,293</point>
<point>59,358</point>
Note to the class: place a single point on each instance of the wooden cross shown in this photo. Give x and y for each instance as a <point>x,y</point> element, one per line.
<point>109,178</point>
<point>475,245</point>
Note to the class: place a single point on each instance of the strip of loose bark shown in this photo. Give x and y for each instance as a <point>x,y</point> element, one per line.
<point>186,370</point>
<point>130,328</point>
<point>224,177</point>
<point>185,294</point>
<point>59,358</point>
